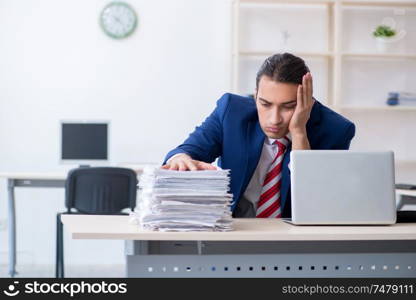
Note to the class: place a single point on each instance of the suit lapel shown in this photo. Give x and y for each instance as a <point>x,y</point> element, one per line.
<point>314,120</point>
<point>284,188</point>
<point>254,141</point>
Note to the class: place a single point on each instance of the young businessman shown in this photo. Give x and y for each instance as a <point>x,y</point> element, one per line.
<point>254,137</point>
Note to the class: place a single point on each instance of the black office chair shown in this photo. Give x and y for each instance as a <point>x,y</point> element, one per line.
<point>99,191</point>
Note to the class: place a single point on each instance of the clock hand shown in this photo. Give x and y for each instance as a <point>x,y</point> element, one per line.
<point>117,20</point>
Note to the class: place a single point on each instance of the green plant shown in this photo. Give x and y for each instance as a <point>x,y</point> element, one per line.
<point>384,31</point>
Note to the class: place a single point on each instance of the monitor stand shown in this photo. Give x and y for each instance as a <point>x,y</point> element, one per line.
<point>84,166</point>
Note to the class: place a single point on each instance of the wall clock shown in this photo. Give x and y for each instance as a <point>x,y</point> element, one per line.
<point>118,20</point>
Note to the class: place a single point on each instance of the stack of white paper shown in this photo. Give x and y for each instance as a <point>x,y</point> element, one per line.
<point>184,200</point>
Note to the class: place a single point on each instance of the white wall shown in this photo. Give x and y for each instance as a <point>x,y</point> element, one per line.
<point>154,87</point>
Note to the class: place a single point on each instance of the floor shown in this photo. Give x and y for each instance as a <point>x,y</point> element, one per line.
<point>80,271</point>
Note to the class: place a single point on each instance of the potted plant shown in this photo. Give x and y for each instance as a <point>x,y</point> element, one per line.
<point>385,37</point>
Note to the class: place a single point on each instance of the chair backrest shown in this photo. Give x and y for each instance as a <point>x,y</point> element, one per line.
<point>101,190</point>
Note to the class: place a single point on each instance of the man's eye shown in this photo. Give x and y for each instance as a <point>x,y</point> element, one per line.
<point>290,106</point>
<point>265,104</point>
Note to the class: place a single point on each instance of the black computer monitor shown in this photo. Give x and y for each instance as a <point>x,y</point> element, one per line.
<point>84,142</point>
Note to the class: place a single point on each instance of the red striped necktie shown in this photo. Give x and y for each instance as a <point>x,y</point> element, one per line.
<point>268,205</point>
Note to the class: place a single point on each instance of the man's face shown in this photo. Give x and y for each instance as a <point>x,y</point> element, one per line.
<point>276,104</point>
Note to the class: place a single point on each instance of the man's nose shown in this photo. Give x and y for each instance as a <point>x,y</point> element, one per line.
<point>276,117</point>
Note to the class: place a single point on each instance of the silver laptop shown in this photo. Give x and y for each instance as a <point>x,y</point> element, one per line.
<point>341,187</point>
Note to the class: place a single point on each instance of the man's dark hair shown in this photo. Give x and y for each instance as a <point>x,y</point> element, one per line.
<point>285,68</point>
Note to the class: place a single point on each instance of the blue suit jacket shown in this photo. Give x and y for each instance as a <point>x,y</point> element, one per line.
<point>232,132</point>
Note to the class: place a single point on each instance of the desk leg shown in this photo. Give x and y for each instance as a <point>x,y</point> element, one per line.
<point>134,248</point>
<point>12,228</point>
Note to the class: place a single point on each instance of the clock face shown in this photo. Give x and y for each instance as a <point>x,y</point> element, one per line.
<point>118,20</point>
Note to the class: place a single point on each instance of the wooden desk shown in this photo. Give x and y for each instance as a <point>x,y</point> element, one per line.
<point>258,248</point>
<point>119,228</point>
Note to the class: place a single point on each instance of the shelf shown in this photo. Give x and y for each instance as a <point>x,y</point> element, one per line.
<point>287,2</point>
<point>380,55</point>
<point>330,2</point>
<point>378,3</point>
<point>330,54</point>
<point>376,108</point>
<point>267,53</point>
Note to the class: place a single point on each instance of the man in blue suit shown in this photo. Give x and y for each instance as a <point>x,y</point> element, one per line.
<point>253,137</point>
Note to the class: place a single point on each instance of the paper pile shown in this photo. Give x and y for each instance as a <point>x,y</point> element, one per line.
<point>184,200</point>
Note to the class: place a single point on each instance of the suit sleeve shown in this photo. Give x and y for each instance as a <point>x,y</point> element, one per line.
<point>345,139</point>
<point>205,143</point>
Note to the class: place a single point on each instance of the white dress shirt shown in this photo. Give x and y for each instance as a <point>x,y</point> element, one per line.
<point>254,187</point>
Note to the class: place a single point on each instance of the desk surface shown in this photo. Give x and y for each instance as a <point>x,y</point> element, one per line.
<point>119,228</point>
<point>59,175</point>
<point>35,175</point>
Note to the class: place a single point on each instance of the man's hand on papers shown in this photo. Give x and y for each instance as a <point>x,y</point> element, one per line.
<point>183,162</point>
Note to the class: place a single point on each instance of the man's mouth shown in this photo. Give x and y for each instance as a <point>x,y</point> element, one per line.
<point>273,129</point>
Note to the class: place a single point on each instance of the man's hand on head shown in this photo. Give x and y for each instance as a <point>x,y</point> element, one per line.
<point>297,124</point>
<point>183,162</point>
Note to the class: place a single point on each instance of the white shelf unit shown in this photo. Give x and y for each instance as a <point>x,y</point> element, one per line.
<point>248,53</point>
<point>334,37</point>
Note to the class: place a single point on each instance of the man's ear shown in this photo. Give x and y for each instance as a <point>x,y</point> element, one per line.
<point>255,94</point>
